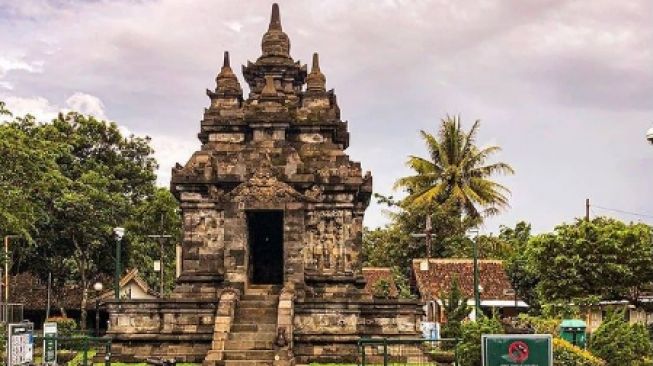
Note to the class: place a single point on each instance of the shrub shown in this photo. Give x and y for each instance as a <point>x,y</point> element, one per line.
<point>620,343</point>
<point>381,289</point>
<point>469,349</point>
<point>66,327</point>
<point>540,325</point>
<point>566,354</point>
<point>456,310</point>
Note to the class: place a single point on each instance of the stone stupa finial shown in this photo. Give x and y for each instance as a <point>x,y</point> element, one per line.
<point>275,42</point>
<point>275,18</point>
<point>226,81</point>
<point>316,81</point>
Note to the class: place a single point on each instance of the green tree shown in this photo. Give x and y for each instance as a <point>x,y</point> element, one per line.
<point>469,350</point>
<point>393,245</point>
<point>156,215</point>
<point>67,184</point>
<point>457,171</point>
<point>523,276</point>
<point>455,309</point>
<point>28,177</point>
<point>602,258</point>
<point>620,343</point>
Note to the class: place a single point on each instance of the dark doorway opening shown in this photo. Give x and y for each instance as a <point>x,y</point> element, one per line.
<point>265,229</point>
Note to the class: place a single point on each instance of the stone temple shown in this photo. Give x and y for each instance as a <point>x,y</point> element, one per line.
<point>273,212</point>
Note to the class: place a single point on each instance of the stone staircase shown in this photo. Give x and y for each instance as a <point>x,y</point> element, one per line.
<point>253,332</point>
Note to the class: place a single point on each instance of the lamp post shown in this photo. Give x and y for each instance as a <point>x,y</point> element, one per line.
<point>119,232</point>
<point>161,238</point>
<point>98,289</point>
<point>477,286</point>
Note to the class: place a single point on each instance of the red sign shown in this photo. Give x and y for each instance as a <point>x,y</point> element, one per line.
<point>518,351</point>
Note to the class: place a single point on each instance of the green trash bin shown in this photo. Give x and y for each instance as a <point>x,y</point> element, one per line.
<point>573,331</point>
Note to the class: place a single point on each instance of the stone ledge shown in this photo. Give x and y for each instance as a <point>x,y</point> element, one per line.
<point>162,337</point>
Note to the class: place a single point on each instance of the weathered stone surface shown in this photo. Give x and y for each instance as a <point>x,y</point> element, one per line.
<point>282,150</point>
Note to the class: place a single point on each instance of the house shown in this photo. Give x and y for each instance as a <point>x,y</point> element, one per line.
<point>373,275</point>
<point>32,292</point>
<point>433,278</point>
<point>132,287</point>
<point>594,314</point>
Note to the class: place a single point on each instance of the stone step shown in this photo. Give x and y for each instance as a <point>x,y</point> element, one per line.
<point>259,297</point>
<point>249,355</point>
<point>261,291</point>
<point>248,363</point>
<point>253,327</point>
<point>256,312</point>
<point>251,336</point>
<point>271,303</point>
<point>242,345</point>
<point>268,287</point>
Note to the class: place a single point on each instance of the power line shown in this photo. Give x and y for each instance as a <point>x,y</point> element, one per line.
<point>623,211</point>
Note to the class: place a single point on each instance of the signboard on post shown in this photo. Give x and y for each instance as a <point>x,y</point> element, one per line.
<point>517,350</point>
<point>20,346</point>
<point>50,343</point>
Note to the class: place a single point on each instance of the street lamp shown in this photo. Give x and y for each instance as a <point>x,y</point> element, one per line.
<point>649,135</point>
<point>477,286</point>
<point>119,232</point>
<point>98,289</point>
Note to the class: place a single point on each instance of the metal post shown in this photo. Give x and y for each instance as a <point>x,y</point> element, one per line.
<point>97,316</point>
<point>161,272</point>
<point>85,345</point>
<point>6,269</point>
<point>116,281</point>
<point>428,232</point>
<point>477,295</point>
<point>161,238</point>
<point>385,352</point>
<point>107,354</point>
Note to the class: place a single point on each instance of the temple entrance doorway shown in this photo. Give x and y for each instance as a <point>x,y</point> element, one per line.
<point>265,235</point>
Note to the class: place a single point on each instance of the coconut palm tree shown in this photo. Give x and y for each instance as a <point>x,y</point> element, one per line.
<point>457,171</point>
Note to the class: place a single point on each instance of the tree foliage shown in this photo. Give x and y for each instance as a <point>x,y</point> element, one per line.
<point>455,309</point>
<point>469,349</point>
<point>620,343</point>
<point>457,171</point>
<point>68,183</point>
<point>602,258</point>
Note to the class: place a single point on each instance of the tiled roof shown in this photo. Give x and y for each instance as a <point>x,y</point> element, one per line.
<point>374,274</point>
<point>25,288</point>
<point>436,280</point>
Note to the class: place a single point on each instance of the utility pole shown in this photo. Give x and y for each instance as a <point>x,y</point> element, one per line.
<point>587,209</point>
<point>7,237</point>
<point>161,238</point>
<point>427,235</point>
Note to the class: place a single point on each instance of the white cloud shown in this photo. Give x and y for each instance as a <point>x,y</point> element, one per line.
<point>552,80</point>
<point>38,107</point>
<point>86,104</point>
<point>169,150</point>
<point>8,64</point>
<point>6,85</point>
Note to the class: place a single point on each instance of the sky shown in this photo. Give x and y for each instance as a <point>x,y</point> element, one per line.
<point>564,87</point>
